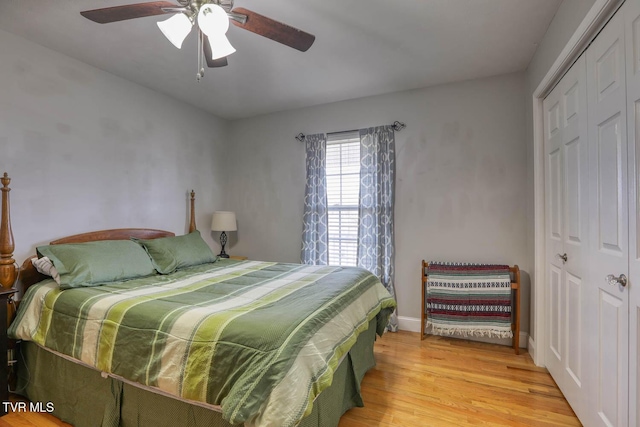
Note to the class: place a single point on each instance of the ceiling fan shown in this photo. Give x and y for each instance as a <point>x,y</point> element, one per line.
<point>212,17</point>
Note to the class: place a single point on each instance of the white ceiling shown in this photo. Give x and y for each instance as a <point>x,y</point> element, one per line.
<point>362,48</point>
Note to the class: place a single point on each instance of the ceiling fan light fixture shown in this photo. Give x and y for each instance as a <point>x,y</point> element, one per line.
<point>213,23</point>
<point>220,46</point>
<point>213,20</point>
<point>176,28</point>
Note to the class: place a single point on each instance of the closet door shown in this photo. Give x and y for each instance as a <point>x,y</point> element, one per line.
<point>608,225</point>
<point>566,150</point>
<point>632,27</point>
<point>554,174</point>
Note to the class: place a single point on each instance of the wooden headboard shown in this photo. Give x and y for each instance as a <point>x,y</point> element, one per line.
<point>29,275</point>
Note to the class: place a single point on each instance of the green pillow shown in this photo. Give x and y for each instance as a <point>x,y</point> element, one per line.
<point>169,254</point>
<point>96,263</point>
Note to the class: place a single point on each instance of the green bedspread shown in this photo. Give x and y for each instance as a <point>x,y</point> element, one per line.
<point>261,340</point>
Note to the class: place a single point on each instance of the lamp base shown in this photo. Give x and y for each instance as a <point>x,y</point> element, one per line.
<point>223,241</point>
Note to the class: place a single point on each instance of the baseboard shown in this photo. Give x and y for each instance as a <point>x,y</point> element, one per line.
<point>412,324</point>
<point>532,351</point>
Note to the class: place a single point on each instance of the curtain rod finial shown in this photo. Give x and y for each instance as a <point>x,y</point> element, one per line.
<point>398,126</point>
<point>301,136</point>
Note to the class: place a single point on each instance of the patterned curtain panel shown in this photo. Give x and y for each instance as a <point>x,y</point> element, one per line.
<point>377,188</point>
<point>315,220</point>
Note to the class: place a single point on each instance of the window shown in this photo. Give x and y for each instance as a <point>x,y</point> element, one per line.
<point>343,192</point>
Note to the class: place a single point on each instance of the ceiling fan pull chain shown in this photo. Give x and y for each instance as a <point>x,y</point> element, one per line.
<point>200,61</point>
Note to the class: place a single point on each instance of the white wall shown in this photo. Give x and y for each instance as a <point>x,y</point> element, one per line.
<point>88,150</point>
<point>461,177</point>
<point>569,15</point>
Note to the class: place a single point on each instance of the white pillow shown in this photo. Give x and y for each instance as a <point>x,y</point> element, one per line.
<point>46,267</point>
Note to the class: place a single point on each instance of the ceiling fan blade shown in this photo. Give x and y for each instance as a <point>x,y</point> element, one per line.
<point>274,30</point>
<point>129,11</point>
<point>212,63</point>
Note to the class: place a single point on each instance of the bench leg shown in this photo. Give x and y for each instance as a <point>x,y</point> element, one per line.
<point>516,316</point>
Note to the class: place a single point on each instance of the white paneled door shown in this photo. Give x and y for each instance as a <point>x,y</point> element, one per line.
<point>554,174</point>
<point>592,226</point>
<point>608,227</point>
<point>632,37</point>
<point>566,166</point>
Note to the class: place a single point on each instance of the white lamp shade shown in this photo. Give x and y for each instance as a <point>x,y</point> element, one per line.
<point>213,20</point>
<point>224,221</point>
<point>220,46</point>
<point>176,28</point>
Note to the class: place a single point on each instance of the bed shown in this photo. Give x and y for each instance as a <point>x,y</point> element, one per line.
<point>210,344</point>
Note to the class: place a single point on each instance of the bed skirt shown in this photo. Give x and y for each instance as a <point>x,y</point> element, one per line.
<point>82,397</point>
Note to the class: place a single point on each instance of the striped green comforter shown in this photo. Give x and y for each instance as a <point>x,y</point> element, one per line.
<point>259,339</point>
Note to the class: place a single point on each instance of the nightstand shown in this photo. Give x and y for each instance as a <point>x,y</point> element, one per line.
<point>5,294</point>
<point>237,257</point>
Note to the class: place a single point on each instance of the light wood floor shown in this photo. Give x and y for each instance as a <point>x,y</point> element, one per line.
<point>436,382</point>
<point>452,382</point>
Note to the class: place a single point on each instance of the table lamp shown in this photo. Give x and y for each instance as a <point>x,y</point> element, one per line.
<point>223,221</point>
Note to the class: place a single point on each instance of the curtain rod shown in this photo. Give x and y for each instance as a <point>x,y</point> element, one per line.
<point>397,126</point>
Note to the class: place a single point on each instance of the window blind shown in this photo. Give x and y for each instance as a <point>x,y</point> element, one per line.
<point>343,193</point>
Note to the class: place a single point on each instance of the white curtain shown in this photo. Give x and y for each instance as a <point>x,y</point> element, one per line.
<point>377,190</point>
<point>315,230</point>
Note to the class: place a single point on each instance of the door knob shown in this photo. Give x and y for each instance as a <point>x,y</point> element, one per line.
<point>620,280</point>
<point>563,257</point>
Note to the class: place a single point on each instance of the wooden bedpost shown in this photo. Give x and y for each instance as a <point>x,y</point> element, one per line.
<point>8,274</point>
<point>7,263</point>
<point>192,222</point>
